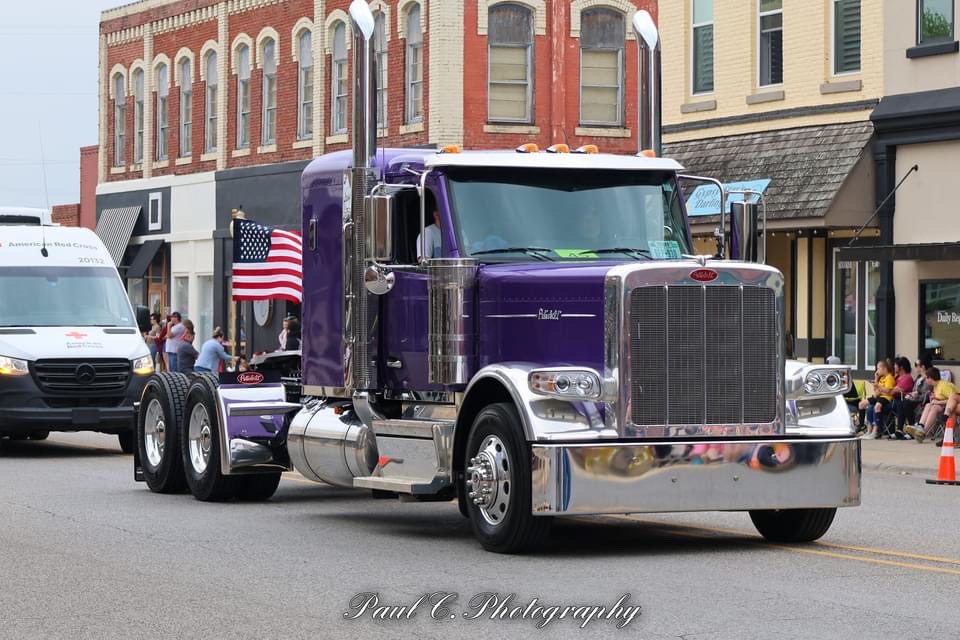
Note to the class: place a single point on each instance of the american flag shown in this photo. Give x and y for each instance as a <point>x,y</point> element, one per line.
<point>267,263</point>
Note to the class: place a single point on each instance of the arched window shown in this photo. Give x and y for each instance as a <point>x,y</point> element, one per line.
<point>138,116</point>
<point>380,49</point>
<point>243,96</point>
<point>268,130</point>
<point>119,120</point>
<point>338,121</point>
<point>163,92</point>
<point>602,33</point>
<point>414,66</point>
<point>210,103</point>
<point>510,43</point>
<point>186,107</point>
<point>305,86</point>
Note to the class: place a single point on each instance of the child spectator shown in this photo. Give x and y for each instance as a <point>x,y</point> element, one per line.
<point>883,386</point>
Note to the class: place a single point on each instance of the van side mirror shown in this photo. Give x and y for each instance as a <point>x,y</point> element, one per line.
<point>143,318</point>
<point>382,210</point>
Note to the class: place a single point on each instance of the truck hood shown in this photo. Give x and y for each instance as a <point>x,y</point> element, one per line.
<point>545,313</point>
<point>34,343</point>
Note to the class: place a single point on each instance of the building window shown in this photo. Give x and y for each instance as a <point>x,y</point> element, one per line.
<point>186,107</point>
<point>210,130</point>
<point>163,89</point>
<point>380,49</point>
<point>771,42</point>
<point>119,120</point>
<point>845,309</point>
<point>602,33</point>
<point>702,39</point>
<point>338,121</point>
<point>510,62</point>
<point>268,130</point>
<point>414,66</point>
<point>155,212</point>
<point>138,116</point>
<point>940,338</point>
<point>243,96</point>
<point>305,88</point>
<point>181,295</point>
<point>846,36</point>
<point>935,21</point>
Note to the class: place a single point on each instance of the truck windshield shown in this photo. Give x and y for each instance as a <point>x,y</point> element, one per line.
<point>63,297</point>
<point>540,214</point>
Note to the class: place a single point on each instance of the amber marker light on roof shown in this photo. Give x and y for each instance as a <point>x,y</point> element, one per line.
<point>451,148</point>
<point>558,148</point>
<point>530,147</point>
<point>648,153</point>
<point>587,148</point>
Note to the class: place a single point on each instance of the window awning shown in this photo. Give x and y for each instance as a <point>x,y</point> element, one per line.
<point>146,252</point>
<point>888,252</point>
<point>115,227</point>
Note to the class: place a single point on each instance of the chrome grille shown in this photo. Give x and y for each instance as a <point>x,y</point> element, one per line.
<point>703,355</point>
<point>61,375</point>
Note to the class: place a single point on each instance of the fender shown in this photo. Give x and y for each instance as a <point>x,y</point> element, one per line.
<point>249,417</point>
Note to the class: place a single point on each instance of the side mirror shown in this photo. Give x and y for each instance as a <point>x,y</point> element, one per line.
<point>382,210</point>
<point>143,318</point>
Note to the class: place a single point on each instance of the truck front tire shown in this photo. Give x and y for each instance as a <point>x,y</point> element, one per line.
<point>200,444</point>
<point>793,525</point>
<point>158,429</point>
<point>257,487</point>
<point>497,483</point>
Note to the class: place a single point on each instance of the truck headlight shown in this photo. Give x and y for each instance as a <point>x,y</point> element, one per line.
<point>826,381</point>
<point>570,384</point>
<point>143,366</point>
<point>13,367</point>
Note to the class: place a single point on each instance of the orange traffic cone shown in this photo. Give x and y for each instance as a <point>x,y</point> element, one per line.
<point>948,466</point>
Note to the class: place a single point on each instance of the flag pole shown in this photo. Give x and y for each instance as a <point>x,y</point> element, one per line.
<point>236,214</point>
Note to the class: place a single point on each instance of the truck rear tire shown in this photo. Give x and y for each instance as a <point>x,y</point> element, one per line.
<point>257,487</point>
<point>200,443</point>
<point>127,440</point>
<point>158,432</point>
<point>497,483</point>
<point>793,525</point>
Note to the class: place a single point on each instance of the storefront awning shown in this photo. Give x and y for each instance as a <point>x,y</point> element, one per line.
<point>806,166</point>
<point>144,257</point>
<point>115,227</point>
<point>883,253</point>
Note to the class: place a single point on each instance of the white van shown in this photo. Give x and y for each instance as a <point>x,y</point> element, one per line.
<point>72,357</point>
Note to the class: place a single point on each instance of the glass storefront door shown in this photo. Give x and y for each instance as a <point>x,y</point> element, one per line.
<point>854,326</point>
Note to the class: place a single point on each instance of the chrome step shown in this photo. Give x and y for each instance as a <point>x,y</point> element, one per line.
<point>400,484</point>
<point>415,457</point>
<point>410,428</point>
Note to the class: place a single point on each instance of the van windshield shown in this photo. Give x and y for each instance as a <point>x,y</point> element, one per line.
<point>548,214</point>
<point>63,297</point>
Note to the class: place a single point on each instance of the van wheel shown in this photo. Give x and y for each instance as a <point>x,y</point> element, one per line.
<point>127,440</point>
<point>158,426</point>
<point>497,483</point>
<point>200,444</point>
<point>793,525</point>
<point>39,435</point>
<point>257,487</point>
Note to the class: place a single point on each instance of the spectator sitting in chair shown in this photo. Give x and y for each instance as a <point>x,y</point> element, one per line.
<point>942,392</point>
<point>883,385</point>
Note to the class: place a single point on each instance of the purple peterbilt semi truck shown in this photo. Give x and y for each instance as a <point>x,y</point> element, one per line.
<point>564,354</point>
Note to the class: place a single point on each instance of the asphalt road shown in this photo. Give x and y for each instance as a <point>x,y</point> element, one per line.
<point>87,553</point>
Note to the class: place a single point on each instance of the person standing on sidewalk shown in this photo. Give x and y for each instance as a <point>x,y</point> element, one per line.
<point>174,332</point>
<point>186,353</point>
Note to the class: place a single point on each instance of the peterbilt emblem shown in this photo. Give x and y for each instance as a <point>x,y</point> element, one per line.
<point>704,275</point>
<point>85,373</point>
<point>549,314</point>
<point>250,377</point>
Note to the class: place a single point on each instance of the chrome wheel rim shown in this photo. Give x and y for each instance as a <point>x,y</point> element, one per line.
<point>200,435</point>
<point>489,480</point>
<point>154,433</point>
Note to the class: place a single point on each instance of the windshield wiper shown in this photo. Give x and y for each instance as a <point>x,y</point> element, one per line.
<point>636,254</point>
<point>536,252</point>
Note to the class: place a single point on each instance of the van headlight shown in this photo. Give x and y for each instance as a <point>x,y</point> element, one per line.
<point>570,384</point>
<point>143,366</point>
<point>13,367</point>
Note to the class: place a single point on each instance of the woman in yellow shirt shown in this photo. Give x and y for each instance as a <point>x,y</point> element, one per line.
<point>883,385</point>
<point>941,392</point>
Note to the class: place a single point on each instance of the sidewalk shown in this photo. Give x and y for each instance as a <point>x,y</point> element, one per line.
<point>900,456</point>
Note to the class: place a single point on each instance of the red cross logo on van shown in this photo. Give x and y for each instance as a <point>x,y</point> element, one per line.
<point>76,335</point>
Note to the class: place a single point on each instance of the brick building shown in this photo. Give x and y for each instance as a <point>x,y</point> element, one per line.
<point>209,105</point>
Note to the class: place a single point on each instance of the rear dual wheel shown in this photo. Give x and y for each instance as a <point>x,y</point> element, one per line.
<point>157,434</point>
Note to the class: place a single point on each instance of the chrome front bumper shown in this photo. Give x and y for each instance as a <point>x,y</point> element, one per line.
<point>581,479</point>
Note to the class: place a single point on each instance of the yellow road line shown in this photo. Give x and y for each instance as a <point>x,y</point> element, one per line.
<point>843,556</point>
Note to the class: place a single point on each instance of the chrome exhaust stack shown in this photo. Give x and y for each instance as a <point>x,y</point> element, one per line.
<point>650,105</point>
<point>359,369</point>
